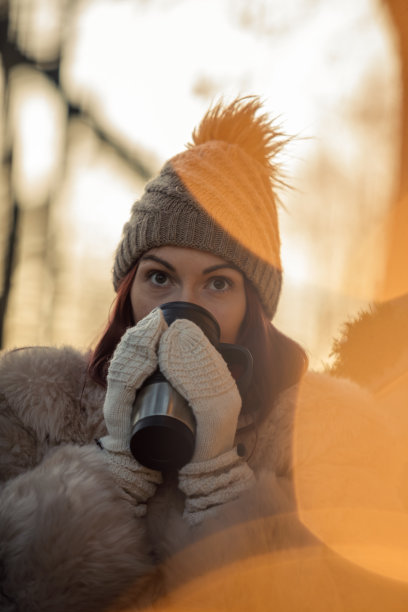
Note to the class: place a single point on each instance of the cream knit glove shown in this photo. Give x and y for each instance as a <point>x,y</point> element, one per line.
<point>134,359</point>
<point>197,371</point>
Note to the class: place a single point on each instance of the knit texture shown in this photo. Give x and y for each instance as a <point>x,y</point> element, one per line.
<point>217,196</point>
<point>137,482</point>
<point>199,373</point>
<point>134,360</point>
<point>216,474</point>
<point>209,484</point>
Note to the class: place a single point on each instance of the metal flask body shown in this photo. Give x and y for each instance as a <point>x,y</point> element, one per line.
<point>163,425</point>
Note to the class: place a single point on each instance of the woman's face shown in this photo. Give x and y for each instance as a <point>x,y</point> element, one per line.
<point>170,274</point>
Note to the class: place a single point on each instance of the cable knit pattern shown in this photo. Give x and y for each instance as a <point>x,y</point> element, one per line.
<point>134,360</point>
<point>194,367</point>
<point>209,484</point>
<point>137,482</point>
<point>199,373</point>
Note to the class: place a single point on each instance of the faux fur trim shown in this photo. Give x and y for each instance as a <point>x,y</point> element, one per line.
<point>373,347</point>
<point>69,541</point>
<point>48,390</point>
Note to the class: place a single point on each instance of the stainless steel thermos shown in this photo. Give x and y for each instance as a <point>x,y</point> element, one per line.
<point>163,425</point>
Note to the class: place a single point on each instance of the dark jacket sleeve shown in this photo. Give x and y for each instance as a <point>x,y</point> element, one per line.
<point>68,539</point>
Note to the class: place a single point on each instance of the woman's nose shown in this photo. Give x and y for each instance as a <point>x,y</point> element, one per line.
<point>187,294</point>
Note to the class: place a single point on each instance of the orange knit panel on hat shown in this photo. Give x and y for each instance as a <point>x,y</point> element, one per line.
<point>231,172</point>
<point>235,190</point>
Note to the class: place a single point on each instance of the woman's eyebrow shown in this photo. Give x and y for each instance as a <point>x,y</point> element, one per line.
<point>219,267</point>
<point>168,265</point>
<point>164,263</point>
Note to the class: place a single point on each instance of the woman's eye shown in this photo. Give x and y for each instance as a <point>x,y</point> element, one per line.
<point>158,278</point>
<point>220,283</point>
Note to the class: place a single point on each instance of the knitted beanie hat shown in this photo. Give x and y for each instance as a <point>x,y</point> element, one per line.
<point>217,196</point>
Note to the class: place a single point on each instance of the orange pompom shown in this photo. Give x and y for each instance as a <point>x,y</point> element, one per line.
<point>238,124</point>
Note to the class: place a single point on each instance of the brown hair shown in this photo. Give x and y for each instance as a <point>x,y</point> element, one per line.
<point>279,362</point>
<point>120,319</point>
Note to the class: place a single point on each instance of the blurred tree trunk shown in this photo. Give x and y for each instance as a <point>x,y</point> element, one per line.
<point>9,259</point>
<point>396,276</point>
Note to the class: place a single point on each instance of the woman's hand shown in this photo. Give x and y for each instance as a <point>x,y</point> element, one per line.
<point>134,359</point>
<point>197,371</point>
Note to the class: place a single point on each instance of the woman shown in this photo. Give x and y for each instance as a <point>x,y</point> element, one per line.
<point>83,525</point>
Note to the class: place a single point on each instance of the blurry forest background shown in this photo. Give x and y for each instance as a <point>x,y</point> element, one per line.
<point>96,94</point>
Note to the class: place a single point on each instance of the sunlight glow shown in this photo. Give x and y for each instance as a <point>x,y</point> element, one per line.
<point>38,128</point>
<point>145,72</point>
<point>349,481</point>
<point>96,197</point>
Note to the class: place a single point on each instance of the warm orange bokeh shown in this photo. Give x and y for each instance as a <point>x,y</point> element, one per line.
<point>222,179</point>
<point>299,579</point>
<point>350,483</point>
<point>396,275</point>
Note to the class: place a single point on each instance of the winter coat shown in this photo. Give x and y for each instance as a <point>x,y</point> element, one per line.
<point>69,540</point>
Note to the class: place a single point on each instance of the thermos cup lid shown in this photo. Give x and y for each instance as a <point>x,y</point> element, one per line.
<point>195,313</point>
